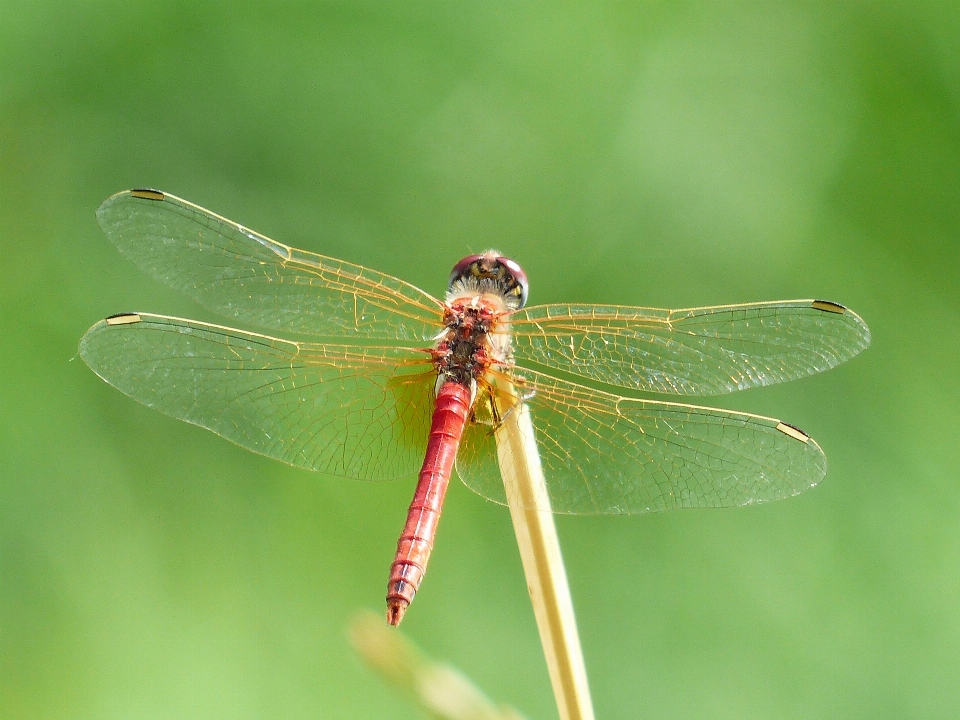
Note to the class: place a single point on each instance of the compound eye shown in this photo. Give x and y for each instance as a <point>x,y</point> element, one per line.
<point>524,291</point>
<point>519,277</point>
<point>461,268</point>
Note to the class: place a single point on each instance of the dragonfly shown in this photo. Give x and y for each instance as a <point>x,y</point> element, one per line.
<point>377,378</point>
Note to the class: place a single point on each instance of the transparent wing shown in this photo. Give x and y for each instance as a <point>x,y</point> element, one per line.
<point>698,351</point>
<point>606,455</point>
<point>246,276</point>
<point>356,412</point>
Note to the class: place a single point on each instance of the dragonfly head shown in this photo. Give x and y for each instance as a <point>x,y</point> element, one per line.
<point>491,273</point>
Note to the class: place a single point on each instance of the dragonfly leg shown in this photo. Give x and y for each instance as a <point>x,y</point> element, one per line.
<point>496,414</point>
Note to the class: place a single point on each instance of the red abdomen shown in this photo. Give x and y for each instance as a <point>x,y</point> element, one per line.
<point>416,540</point>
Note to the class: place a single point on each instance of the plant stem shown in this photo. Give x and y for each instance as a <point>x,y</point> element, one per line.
<point>542,562</point>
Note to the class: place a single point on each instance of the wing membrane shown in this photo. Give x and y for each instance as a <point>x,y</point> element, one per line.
<point>697,351</point>
<point>355,412</point>
<point>603,454</point>
<point>244,275</point>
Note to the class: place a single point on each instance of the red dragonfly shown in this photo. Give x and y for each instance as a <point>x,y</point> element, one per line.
<point>410,380</point>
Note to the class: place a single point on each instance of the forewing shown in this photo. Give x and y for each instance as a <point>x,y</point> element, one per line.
<point>606,455</point>
<point>243,275</point>
<point>355,412</point>
<point>697,351</point>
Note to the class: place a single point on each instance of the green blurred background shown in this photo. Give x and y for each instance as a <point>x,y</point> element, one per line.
<point>663,154</point>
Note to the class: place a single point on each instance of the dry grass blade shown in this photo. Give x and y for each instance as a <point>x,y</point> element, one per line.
<point>438,688</point>
<point>542,562</point>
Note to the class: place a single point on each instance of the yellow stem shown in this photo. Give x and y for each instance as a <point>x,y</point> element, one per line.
<point>542,561</point>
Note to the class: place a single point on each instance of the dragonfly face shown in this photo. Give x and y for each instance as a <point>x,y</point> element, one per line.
<point>393,379</point>
<point>490,273</point>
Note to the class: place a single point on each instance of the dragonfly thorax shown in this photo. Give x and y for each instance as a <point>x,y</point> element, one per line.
<point>474,338</point>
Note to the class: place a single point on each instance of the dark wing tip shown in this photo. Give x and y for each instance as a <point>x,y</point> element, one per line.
<point>828,306</point>
<point>118,206</point>
<point>838,309</point>
<point>147,194</point>
<point>122,319</point>
<point>793,431</point>
<point>140,193</point>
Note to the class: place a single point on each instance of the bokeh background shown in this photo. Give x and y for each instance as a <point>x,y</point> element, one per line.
<point>667,154</point>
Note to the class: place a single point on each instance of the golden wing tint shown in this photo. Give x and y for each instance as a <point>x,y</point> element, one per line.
<point>241,274</point>
<point>604,454</point>
<point>360,412</point>
<point>698,351</point>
